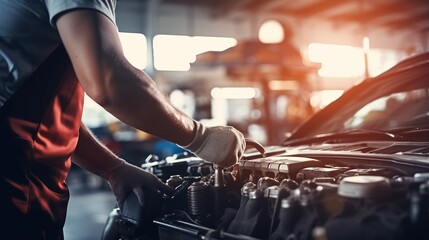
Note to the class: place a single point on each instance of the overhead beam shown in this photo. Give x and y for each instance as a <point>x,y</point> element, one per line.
<point>410,20</point>
<point>317,8</point>
<point>379,11</point>
<point>227,7</point>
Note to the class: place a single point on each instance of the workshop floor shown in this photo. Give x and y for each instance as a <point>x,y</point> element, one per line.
<point>87,212</point>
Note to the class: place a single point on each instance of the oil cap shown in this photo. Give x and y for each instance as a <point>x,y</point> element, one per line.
<point>364,187</point>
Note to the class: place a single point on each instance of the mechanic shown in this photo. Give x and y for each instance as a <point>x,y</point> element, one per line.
<point>51,52</point>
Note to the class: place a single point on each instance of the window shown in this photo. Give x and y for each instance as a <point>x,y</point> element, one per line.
<point>177,52</point>
<point>403,109</point>
<point>337,60</point>
<point>348,61</point>
<point>135,48</point>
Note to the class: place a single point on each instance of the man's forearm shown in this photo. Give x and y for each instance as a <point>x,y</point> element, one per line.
<point>135,99</point>
<point>93,156</point>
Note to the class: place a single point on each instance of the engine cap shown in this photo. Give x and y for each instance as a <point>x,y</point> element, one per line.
<point>265,182</point>
<point>271,192</point>
<point>247,187</point>
<point>421,177</point>
<point>364,187</point>
<point>256,194</point>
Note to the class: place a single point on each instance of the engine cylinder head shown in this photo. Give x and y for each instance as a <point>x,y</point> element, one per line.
<point>364,187</point>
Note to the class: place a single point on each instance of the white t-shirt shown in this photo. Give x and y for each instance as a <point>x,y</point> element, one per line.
<point>28,36</point>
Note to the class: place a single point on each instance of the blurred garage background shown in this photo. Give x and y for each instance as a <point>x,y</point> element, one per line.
<point>262,66</point>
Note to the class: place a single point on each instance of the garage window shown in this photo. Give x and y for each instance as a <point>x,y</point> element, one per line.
<point>135,48</point>
<point>177,52</point>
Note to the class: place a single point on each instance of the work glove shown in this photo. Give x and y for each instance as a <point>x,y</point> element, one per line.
<point>221,145</point>
<point>126,178</point>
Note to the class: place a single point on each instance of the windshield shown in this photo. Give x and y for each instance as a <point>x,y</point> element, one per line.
<point>389,102</point>
<point>398,110</point>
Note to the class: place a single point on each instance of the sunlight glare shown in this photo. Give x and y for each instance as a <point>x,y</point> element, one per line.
<point>320,99</point>
<point>337,60</point>
<point>234,93</point>
<point>271,32</point>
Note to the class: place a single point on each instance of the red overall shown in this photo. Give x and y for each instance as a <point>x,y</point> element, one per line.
<point>39,129</point>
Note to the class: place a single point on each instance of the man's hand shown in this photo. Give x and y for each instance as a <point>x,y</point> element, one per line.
<point>124,178</point>
<point>220,145</point>
<point>127,178</point>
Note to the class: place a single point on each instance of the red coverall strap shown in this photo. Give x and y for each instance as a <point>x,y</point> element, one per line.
<point>39,129</point>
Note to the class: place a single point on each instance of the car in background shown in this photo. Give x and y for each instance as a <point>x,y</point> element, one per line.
<point>357,169</point>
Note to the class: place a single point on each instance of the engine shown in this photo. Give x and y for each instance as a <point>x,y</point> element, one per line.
<point>276,196</point>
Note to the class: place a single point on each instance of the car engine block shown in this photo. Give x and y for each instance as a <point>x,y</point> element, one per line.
<point>276,196</point>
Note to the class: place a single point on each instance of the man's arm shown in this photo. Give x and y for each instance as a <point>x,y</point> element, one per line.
<point>102,160</point>
<point>122,176</point>
<point>93,44</point>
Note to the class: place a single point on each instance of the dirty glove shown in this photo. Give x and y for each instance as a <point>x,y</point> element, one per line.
<point>221,145</point>
<point>126,178</point>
